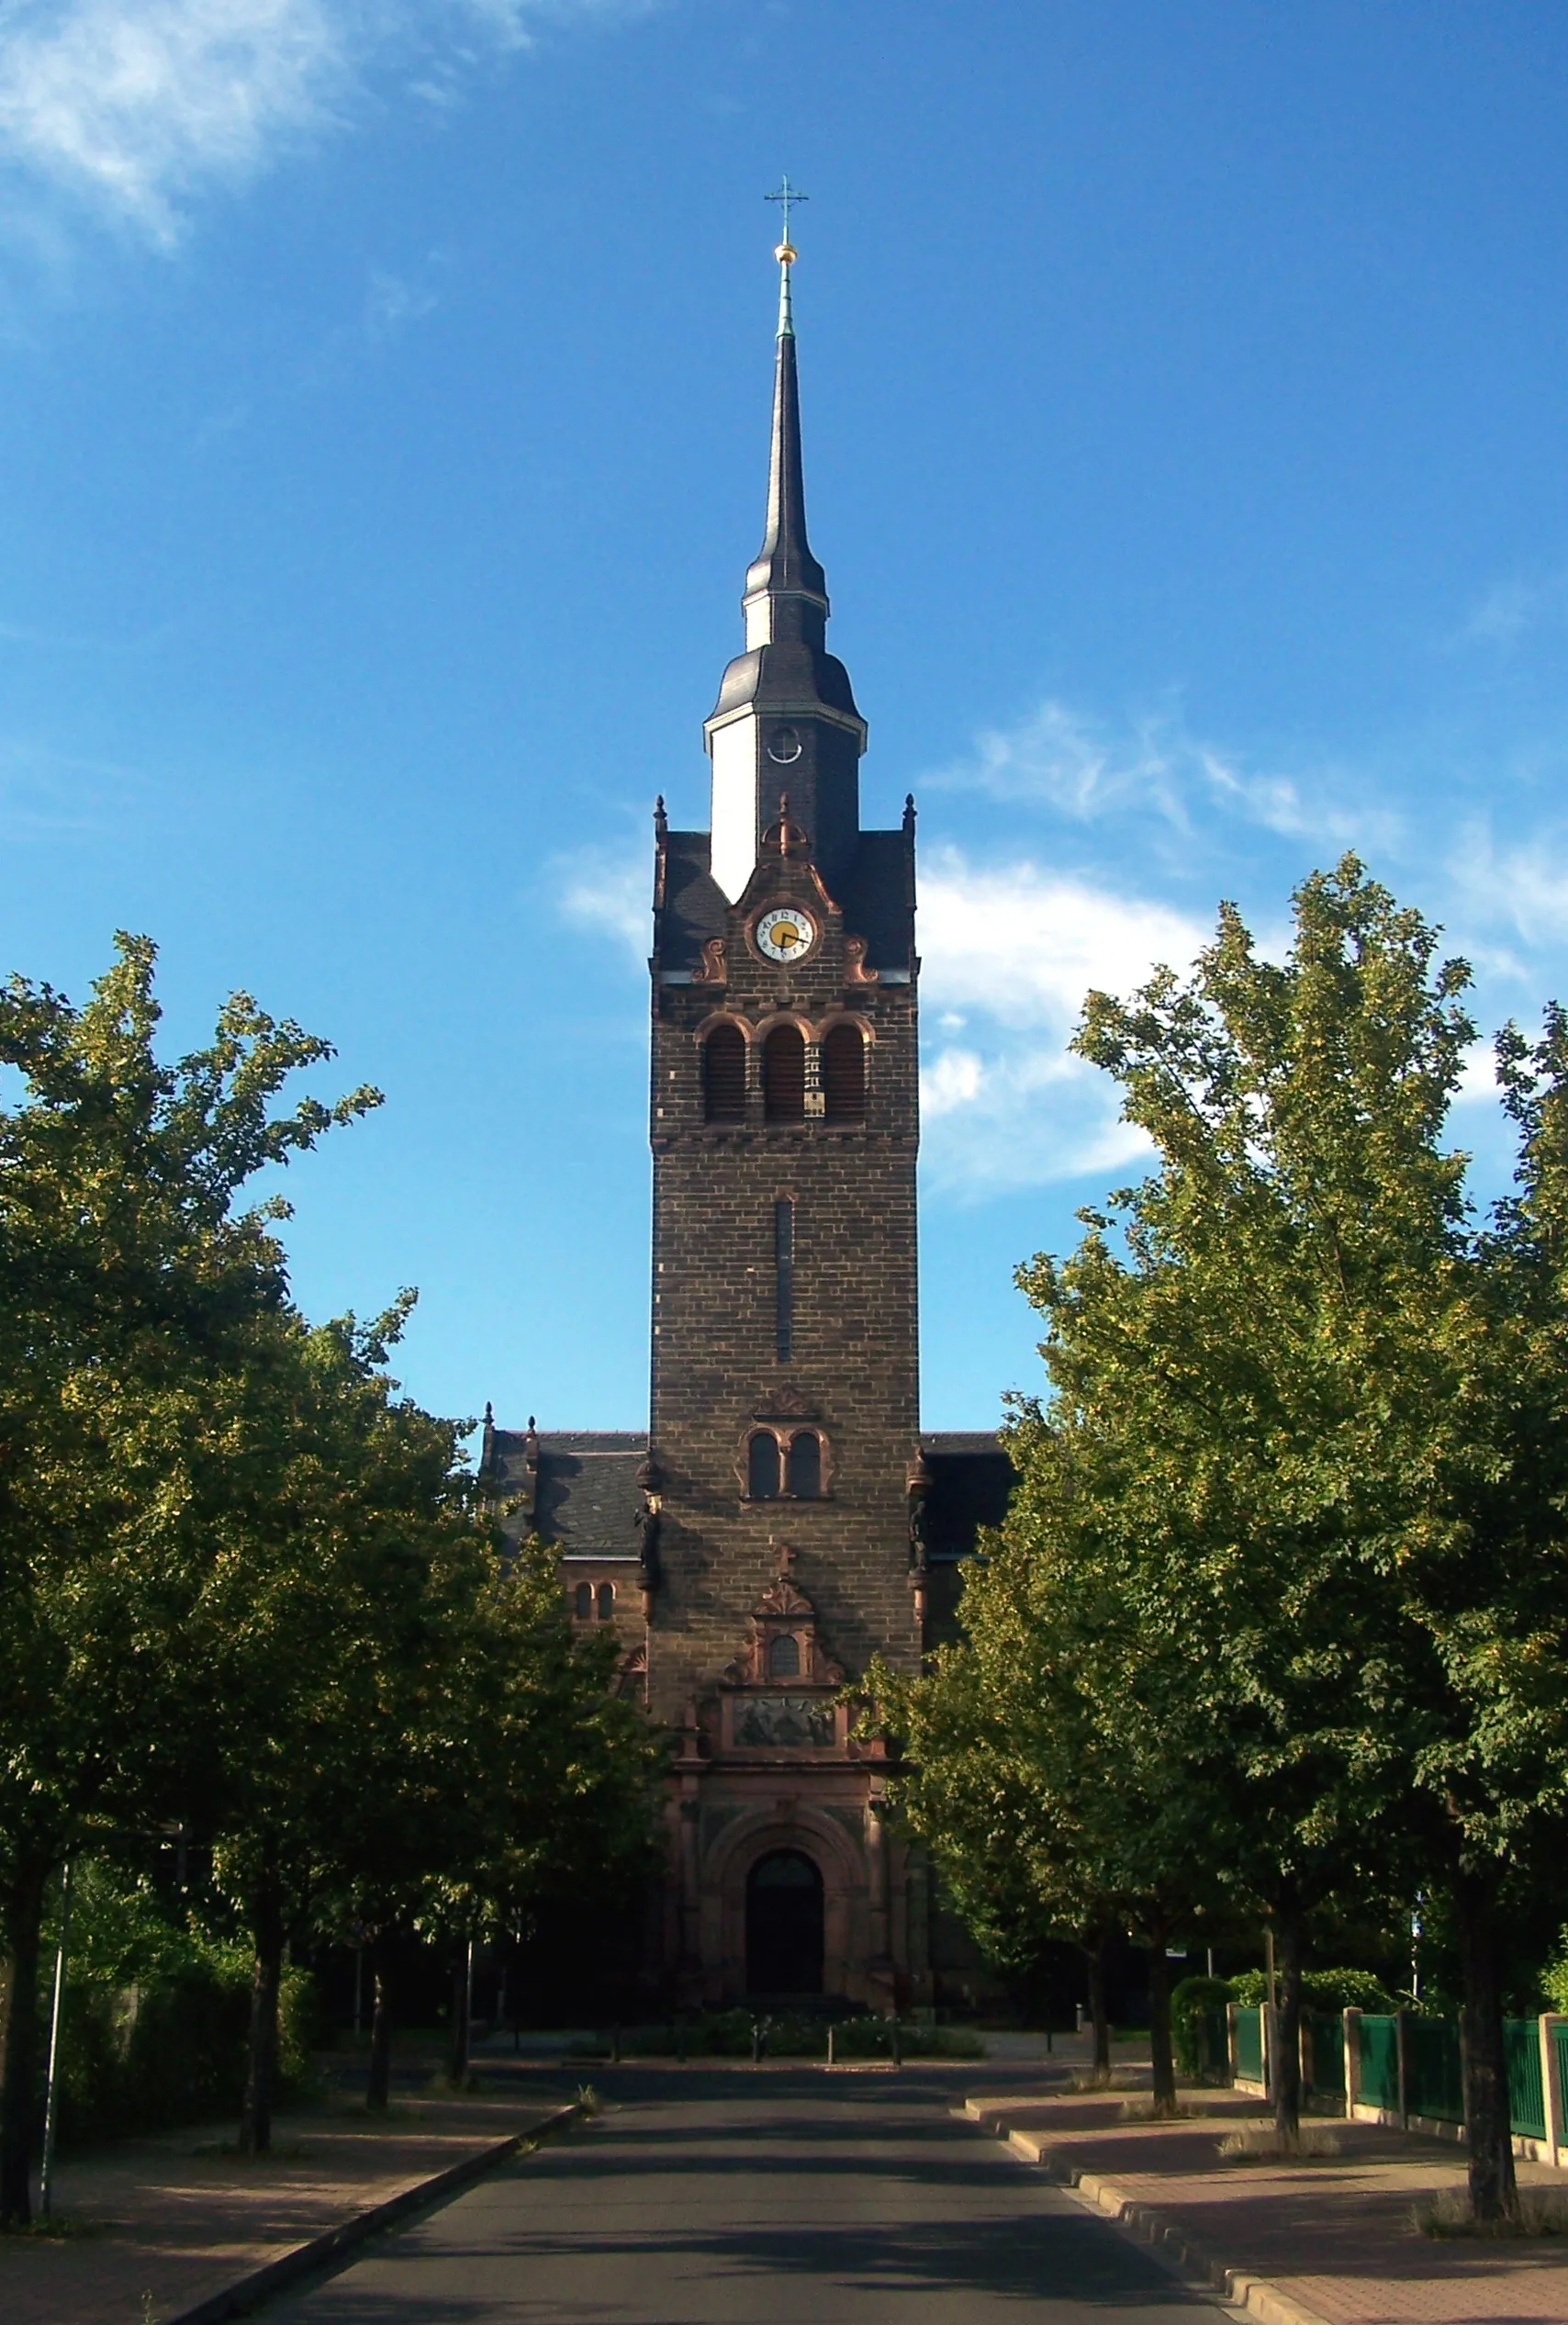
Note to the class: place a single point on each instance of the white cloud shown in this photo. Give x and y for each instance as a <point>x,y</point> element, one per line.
<point>609,893</point>
<point>137,105</point>
<point>1025,947</point>
<point>1017,951</point>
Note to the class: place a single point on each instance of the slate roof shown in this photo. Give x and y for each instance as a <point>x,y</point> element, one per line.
<point>589,1502</point>
<point>875,901</point>
<point>972,1481</point>
<point>587,1499</point>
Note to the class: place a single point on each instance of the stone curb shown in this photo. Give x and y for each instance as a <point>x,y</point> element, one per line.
<point>239,2298</point>
<point>1257,2297</point>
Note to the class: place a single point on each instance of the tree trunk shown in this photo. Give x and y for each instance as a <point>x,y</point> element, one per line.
<point>379,2089</point>
<point>1492,2191</point>
<point>457,2058</point>
<point>1097,1948</point>
<point>1284,2061</point>
<point>256,2116</point>
<point>22,1911</point>
<point>1159,2051</point>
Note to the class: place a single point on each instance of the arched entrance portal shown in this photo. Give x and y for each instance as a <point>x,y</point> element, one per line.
<point>784,1925</point>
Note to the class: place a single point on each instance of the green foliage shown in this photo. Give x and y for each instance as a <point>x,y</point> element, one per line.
<point>793,2034</point>
<point>1321,1990</point>
<point>1554,1977</point>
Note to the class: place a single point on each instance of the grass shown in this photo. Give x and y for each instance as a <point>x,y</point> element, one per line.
<point>1086,2080</point>
<point>60,2227</point>
<point>1144,2110</point>
<point>1539,2212</point>
<point>587,2099</point>
<point>1260,2143</point>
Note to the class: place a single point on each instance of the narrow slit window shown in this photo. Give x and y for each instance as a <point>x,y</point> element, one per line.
<point>805,1464</point>
<point>784,1075</point>
<point>783,1279</point>
<point>762,1466</point>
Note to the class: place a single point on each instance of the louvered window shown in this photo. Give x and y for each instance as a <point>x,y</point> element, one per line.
<point>843,1075</point>
<point>724,1074</point>
<point>784,1075</point>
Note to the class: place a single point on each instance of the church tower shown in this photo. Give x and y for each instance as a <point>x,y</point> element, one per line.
<point>782,1521</point>
<point>784,1417</point>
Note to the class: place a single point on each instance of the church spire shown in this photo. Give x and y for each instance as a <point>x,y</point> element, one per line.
<point>785,710</point>
<point>786,589</point>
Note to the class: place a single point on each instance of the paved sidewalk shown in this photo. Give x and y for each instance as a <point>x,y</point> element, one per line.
<point>162,2226</point>
<point>1330,2242</point>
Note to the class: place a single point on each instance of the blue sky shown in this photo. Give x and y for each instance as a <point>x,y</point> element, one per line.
<point>384,406</point>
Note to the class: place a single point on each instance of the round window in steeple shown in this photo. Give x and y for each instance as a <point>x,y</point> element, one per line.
<point>784,746</point>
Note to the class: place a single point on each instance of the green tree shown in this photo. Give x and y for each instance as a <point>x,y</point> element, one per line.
<point>1322,1408</point>
<point>128,1285</point>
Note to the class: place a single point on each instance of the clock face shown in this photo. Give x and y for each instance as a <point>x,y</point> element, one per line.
<point>784,934</point>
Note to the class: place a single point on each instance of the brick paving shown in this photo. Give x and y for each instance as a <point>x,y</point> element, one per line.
<point>162,2226</point>
<point>1335,2236</point>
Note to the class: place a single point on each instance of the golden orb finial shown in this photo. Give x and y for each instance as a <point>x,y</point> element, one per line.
<point>785,254</point>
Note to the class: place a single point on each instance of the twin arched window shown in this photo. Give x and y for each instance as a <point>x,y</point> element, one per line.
<point>843,1060</point>
<point>795,1469</point>
<point>584,1600</point>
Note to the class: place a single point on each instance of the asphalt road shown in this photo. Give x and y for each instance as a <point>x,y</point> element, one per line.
<point>711,2199</point>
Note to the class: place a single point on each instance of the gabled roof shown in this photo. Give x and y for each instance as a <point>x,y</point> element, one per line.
<point>972,1483</point>
<point>587,1497</point>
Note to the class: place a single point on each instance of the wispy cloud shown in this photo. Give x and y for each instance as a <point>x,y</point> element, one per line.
<point>1510,610</point>
<point>1092,771</point>
<point>608,892</point>
<point>137,107</point>
<point>1523,887</point>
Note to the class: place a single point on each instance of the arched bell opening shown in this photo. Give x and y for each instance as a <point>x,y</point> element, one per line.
<point>784,1925</point>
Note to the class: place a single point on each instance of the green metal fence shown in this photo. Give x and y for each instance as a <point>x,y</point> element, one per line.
<point>1211,2046</point>
<point>1527,2100</point>
<point>1324,2052</point>
<point>1434,2073</point>
<point>1249,2045</point>
<point>1378,2041</point>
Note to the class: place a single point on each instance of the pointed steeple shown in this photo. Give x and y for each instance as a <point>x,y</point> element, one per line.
<point>785,589</point>
<point>785,710</point>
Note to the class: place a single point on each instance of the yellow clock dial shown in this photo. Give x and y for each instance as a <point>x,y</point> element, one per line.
<point>784,934</point>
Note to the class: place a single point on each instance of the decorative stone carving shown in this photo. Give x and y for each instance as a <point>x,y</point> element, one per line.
<point>713,971</point>
<point>785,1403</point>
<point>786,1719</point>
<point>783,1610</point>
<point>855,969</point>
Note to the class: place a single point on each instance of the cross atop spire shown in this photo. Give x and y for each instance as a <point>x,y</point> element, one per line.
<point>786,196</point>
